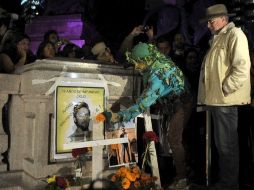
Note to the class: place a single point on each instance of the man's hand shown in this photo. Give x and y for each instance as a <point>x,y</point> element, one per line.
<point>137,30</point>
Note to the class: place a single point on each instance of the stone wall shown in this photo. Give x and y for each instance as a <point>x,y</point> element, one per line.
<point>31,114</point>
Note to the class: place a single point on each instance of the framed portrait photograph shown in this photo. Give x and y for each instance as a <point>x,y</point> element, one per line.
<point>76,106</point>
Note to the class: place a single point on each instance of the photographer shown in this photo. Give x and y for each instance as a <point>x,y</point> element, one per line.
<point>129,40</point>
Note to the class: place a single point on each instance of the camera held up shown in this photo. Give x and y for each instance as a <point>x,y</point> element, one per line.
<point>145,28</point>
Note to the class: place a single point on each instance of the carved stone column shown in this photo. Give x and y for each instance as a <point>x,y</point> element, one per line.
<point>3,135</point>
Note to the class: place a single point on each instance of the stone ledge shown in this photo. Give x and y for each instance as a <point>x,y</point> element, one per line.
<point>76,65</point>
<point>9,84</point>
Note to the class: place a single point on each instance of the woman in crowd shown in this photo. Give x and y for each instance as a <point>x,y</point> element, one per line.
<point>16,53</point>
<point>52,36</point>
<point>46,50</point>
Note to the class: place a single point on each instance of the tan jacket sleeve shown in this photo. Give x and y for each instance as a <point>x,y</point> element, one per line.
<point>240,62</point>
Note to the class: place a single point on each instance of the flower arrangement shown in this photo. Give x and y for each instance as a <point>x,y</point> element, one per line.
<point>148,138</point>
<point>133,179</point>
<point>57,183</point>
<point>62,182</point>
<point>81,156</point>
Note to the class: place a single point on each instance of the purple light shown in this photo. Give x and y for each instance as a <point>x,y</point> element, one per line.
<point>69,27</point>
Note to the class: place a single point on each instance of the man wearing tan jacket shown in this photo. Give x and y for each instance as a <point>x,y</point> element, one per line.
<point>224,85</point>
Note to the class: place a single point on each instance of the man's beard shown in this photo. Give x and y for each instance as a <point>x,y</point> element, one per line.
<point>83,125</point>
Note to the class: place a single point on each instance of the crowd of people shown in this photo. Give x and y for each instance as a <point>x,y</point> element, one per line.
<point>176,77</point>
<point>15,48</point>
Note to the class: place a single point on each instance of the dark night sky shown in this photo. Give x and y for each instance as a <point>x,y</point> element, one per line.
<point>11,6</point>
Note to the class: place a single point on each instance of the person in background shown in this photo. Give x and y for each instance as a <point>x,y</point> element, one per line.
<point>192,67</point>
<point>103,53</point>
<point>71,51</point>
<point>86,52</point>
<point>52,36</point>
<point>179,44</point>
<point>164,45</point>
<point>128,42</point>
<point>178,51</point>
<point>16,53</point>
<point>224,85</point>
<point>46,50</point>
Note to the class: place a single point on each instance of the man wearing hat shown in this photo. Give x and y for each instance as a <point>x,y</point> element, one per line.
<point>224,85</point>
<point>103,53</point>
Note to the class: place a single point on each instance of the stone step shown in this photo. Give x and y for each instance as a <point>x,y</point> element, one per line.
<point>10,181</point>
<point>8,185</point>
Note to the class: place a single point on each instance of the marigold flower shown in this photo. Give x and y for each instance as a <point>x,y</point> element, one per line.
<point>135,170</point>
<point>123,170</point>
<point>137,175</point>
<point>100,117</point>
<point>136,184</point>
<point>126,183</point>
<point>145,177</point>
<point>128,180</point>
<point>130,176</point>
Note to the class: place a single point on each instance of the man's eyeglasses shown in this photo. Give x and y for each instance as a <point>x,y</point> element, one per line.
<point>211,21</point>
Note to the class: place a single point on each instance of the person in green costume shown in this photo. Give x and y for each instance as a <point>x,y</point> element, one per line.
<point>164,82</point>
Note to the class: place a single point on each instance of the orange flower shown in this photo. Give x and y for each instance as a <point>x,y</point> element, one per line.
<point>126,183</point>
<point>145,177</point>
<point>100,117</point>
<point>130,176</point>
<point>135,170</point>
<point>136,184</point>
<point>123,170</point>
<point>137,175</point>
<point>133,179</point>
